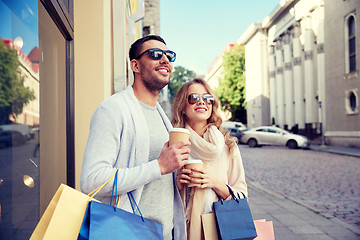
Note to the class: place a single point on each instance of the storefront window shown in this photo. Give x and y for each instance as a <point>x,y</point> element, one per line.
<point>19,118</point>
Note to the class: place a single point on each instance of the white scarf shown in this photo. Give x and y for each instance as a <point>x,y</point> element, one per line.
<point>209,149</point>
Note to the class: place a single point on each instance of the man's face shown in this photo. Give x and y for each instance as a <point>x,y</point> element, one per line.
<point>155,74</point>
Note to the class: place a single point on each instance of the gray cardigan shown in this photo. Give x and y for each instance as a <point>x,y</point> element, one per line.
<point>119,138</point>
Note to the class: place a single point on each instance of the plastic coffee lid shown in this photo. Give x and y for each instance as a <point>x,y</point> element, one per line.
<point>183,130</point>
<point>192,160</point>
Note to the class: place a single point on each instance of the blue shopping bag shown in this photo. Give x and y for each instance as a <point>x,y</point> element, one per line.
<point>234,219</point>
<point>103,221</point>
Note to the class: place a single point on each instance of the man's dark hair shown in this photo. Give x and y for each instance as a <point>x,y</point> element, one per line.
<point>134,49</point>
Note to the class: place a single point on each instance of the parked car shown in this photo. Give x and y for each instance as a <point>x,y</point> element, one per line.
<point>11,138</point>
<point>23,129</point>
<point>235,132</point>
<point>230,124</point>
<point>266,135</point>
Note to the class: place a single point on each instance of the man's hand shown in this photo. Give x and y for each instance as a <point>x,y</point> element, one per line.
<point>173,157</point>
<point>183,178</point>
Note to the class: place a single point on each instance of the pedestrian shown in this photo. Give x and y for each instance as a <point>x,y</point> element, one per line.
<point>295,129</point>
<point>37,143</point>
<point>129,132</point>
<point>197,108</point>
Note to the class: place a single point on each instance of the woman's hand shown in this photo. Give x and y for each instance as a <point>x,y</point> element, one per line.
<point>182,177</point>
<point>207,180</point>
<point>203,177</point>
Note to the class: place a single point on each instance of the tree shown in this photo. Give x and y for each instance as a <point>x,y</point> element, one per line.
<point>13,94</point>
<point>231,90</point>
<point>180,76</point>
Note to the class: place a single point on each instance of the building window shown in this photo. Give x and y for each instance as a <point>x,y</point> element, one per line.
<point>350,42</point>
<point>19,119</point>
<point>352,101</point>
<point>146,30</point>
<point>352,47</point>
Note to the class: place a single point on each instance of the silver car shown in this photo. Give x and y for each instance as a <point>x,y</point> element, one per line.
<point>267,135</point>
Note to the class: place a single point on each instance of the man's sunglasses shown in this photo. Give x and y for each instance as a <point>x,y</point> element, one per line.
<point>156,54</point>
<point>194,98</point>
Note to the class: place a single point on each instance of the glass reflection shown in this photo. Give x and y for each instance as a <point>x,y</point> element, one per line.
<point>19,118</point>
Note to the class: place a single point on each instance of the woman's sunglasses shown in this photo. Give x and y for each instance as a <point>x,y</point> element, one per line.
<point>194,98</point>
<point>156,54</point>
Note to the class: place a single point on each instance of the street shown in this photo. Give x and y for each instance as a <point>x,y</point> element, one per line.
<point>19,204</point>
<point>324,182</point>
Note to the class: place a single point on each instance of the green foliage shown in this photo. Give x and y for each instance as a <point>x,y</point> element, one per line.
<point>13,95</point>
<point>231,90</point>
<point>179,76</point>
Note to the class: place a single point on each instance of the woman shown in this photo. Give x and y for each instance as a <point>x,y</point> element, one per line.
<point>196,108</point>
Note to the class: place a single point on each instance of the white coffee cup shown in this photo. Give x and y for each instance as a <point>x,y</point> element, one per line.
<point>194,163</point>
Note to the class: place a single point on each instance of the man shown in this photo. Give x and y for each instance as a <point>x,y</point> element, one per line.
<point>129,131</point>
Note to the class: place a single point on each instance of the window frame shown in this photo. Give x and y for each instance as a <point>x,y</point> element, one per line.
<point>348,93</point>
<point>347,45</point>
<point>62,13</point>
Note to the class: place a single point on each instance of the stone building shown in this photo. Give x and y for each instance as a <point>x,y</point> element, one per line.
<point>150,26</point>
<point>342,64</point>
<point>301,70</point>
<point>151,22</point>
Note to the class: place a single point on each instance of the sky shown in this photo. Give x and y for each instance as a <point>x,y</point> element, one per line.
<point>23,15</point>
<point>198,30</point>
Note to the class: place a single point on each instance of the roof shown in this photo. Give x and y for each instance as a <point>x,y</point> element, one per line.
<point>34,65</point>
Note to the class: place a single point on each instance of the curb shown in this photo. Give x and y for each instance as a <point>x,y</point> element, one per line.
<point>324,148</point>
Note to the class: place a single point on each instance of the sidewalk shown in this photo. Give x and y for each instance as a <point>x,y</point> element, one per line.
<point>337,150</point>
<point>293,221</point>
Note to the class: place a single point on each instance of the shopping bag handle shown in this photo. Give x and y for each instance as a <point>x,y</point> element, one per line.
<point>232,194</point>
<point>114,188</point>
<point>130,196</point>
<point>96,190</point>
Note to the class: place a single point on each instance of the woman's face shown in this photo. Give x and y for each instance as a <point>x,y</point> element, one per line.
<point>199,112</point>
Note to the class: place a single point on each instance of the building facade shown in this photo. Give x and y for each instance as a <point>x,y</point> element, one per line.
<point>342,65</point>
<point>257,86</point>
<point>81,50</point>
<point>29,68</point>
<point>285,41</point>
<point>214,73</point>
<point>297,81</point>
<point>151,23</point>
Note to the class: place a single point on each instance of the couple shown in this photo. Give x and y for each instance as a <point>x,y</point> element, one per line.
<point>129,131</point>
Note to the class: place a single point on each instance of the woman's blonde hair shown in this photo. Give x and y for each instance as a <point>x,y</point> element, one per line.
<point>178,109</point>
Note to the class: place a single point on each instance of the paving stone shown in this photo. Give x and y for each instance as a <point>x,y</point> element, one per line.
<point>308,194</point>
<point>335,229</point>
<point>283,233</point>
<point>344,236</point>
<point>327,183</point>
<point>318,237</point>
<point>291,220</point>
<point>316,219</point>
<point>308,229</point>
